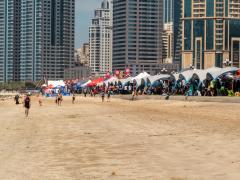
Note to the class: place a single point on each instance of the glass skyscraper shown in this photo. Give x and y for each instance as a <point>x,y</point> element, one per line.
<point>8,30</point>
<point>36,39</point>
<point>137,34</point>
<point>211,33</point>
<point>172,31</point>
<point>168,11</point>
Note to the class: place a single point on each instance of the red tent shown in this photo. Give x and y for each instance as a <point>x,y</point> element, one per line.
<point>95,82</point>
<point>50,86</point>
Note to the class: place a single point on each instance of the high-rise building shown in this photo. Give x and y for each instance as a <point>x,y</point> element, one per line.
<point>36,39</point>
<point>137,34</point>
<point>211,33</point>
<point>168,9</point>
<point>82,55</point>
<point>9,40</point>
<point>100,39</point>
<point>171,31</point>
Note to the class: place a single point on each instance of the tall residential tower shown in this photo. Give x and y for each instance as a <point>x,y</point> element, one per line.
<point>137,34</point>
<point>211,33</point>
<point>171,31</point>
<point>100,39</point>
<point>36,39</point>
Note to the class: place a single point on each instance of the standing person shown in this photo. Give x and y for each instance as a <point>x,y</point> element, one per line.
<point>85,92</point>
<point>108,94</point>
<point>134,93</point>
<point>59,99</point>
<point>27,104</point>
<point>103,95</point>
<point>16,99</point>
<point>73,98</point>
<point>56,100</point>
<point>91,92</point>
<point>94,92</point>
<point>39,100</point>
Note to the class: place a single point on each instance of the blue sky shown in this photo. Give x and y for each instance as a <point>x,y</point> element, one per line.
<point>84,13</point>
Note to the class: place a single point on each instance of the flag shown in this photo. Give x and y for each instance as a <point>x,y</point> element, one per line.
<point>127,72</point>
<point>107,75</point>
<point>117,73</point>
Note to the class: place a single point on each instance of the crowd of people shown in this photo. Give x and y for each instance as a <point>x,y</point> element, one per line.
<point>169,87</point>
<point>222,86</point>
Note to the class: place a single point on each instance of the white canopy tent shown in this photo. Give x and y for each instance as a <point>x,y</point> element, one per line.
<point>214,73</point>
<point>59,83</point>
<point>140,77</point>
<point>176,76</point>
<point>200,74</point>
<point>187,75</point>
<point>152,79</point>
<point>125,81</point>
<point>111,80</point>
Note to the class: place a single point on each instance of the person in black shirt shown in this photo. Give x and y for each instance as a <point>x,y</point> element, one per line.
<point>16,98</point>
<point>27,104</point>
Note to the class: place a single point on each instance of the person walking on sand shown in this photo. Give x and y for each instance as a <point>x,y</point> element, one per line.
<point>134,92</point>
<point>16,99</point>
<point>56,100</point>
<point>108,95</point>
<point>59,99</point>
<point>73,98</point>
<point>27,104</point>
<point>103,95</point>
<point>85,92</point>
<point>39,100</point>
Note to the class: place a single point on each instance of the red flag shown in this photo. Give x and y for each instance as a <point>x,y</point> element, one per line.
<point>117,73</point>
<point>108,75</point>
<point>127,71</point>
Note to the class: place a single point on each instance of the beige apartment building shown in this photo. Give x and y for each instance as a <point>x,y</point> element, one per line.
<point>211,33</point>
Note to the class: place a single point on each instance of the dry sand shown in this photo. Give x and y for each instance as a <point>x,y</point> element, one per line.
<point>147,139</point>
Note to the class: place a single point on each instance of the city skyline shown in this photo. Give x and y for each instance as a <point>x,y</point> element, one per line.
<point>84,12</point>
<point>36,39</point>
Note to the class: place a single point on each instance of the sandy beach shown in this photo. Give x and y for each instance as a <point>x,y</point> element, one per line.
<point>121,139</point>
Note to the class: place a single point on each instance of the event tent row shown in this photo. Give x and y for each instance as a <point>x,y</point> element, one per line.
<point>145,78</point>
